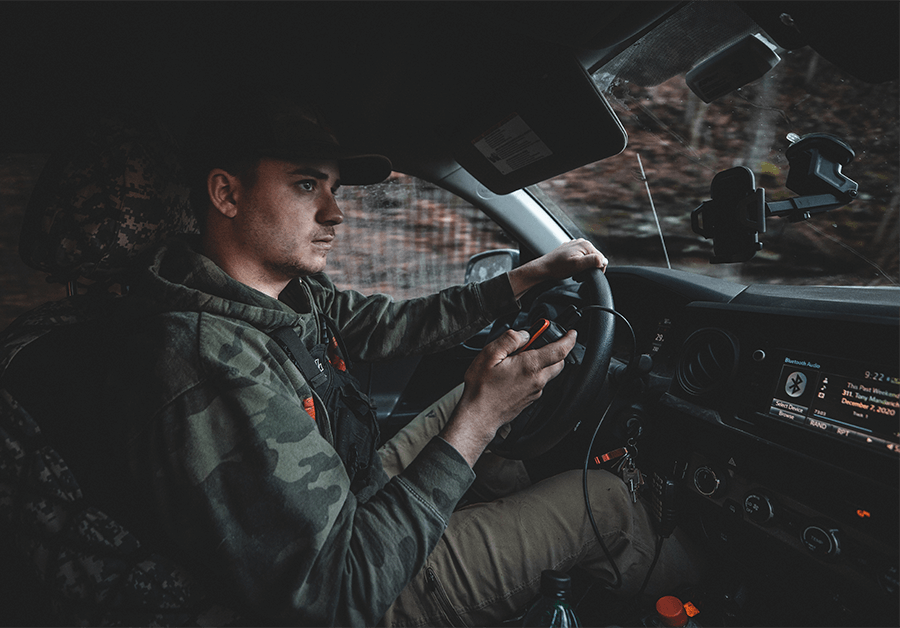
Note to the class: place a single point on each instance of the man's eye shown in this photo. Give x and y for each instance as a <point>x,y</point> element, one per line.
<point>309,186</point>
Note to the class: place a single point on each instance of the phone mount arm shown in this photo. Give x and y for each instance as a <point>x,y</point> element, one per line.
<point>737,211</point>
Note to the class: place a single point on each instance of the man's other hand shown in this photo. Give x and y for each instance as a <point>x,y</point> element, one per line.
<point>499,385</point>
<point>564,261</point>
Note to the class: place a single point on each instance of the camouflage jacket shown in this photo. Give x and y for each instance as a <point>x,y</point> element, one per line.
<point>206,435</point>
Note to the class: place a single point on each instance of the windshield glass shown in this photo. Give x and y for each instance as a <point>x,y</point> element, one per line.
<point>677,144</point>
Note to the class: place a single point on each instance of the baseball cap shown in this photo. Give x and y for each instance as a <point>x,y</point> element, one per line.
<point>277,127</point>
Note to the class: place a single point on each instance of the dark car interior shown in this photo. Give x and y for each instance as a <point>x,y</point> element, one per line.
<point>763,418</point>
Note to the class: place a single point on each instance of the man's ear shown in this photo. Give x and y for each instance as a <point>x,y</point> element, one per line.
<point>223,188</point>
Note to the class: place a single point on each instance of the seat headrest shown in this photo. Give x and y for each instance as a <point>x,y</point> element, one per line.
<point>108,194</point>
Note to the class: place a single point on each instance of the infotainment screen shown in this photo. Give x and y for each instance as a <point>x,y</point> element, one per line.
<point>841,398</point>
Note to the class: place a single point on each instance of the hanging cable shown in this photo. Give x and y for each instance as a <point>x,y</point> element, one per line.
<point>587,500</point>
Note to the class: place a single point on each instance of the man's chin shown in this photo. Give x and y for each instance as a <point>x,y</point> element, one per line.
<point>301,269</point>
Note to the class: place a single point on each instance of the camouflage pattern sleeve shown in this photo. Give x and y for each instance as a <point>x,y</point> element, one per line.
<point>239,476</point>
<point>378,328</point>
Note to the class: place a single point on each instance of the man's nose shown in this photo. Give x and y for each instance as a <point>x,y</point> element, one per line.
<point>330,213</point>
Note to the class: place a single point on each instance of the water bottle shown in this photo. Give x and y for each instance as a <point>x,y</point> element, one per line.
<point>552,608</point>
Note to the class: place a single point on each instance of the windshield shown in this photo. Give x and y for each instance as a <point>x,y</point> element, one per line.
<point>677,143</point>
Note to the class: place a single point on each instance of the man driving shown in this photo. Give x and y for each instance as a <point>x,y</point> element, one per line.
<point>231,431</point>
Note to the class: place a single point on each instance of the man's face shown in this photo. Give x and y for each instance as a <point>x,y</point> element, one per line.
<point>286,219</point>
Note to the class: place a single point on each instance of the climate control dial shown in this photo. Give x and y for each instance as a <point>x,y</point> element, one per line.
<point>759,509</point>
<point>822,541</point>
<point>708,482</point>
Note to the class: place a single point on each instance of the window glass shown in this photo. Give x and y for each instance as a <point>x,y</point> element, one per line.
<point>406,237</point>
<point>677,144</point>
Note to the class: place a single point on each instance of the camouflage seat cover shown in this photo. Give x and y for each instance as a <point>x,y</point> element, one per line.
<point>92,570</point>
<point>112,191</point>
<point>96,206</point>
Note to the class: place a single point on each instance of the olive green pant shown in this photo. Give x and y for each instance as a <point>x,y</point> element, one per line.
<point>487,565</point>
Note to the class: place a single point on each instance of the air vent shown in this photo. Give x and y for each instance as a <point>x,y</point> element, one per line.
<point>708,360</point>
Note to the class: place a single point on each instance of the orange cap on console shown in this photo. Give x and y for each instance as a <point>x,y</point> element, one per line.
<point>671,611</point>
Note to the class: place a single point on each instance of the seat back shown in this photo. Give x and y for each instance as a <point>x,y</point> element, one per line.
<point>87,568</point>
<point>110,193</point>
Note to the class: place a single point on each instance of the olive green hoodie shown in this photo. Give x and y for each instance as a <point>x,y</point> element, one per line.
<point>199,435</point>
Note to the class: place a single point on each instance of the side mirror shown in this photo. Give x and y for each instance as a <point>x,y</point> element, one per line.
<point>490,264</point>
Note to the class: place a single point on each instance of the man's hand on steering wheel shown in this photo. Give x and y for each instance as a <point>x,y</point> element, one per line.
<point>500,386</point>
<point>567,398</point>
<point>564,261</point>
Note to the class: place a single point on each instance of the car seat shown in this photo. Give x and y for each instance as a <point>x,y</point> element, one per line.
<point>113,191</point>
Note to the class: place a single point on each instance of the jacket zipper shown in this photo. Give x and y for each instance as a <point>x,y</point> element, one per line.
<point>443,601</point>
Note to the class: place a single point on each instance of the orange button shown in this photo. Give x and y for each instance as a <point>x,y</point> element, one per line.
<point>671,611</point>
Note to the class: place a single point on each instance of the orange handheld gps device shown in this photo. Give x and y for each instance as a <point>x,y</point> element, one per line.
<point>543,332</point>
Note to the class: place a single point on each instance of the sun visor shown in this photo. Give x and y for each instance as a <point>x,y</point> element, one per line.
<point>524,132</point>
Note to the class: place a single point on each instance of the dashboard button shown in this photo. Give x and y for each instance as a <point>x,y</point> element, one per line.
<point>733,509</point>
<point>707,482</point>
<point>821,541</point>
<point>760,509</point>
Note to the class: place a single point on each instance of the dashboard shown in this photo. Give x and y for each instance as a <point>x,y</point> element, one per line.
<point>774,411</point>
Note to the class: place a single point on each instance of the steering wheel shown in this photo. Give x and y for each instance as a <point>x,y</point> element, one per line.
<point>545,422</point>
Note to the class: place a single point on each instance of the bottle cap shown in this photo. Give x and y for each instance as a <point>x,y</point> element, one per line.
<point>671,611</point>
<point>555,582</point>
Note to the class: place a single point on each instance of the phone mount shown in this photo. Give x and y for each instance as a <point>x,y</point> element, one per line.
<point>737,211</point>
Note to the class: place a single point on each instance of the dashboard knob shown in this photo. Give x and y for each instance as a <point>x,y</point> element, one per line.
<point>759,508</point>
<point>707,482</point>
<point>821,541</point>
